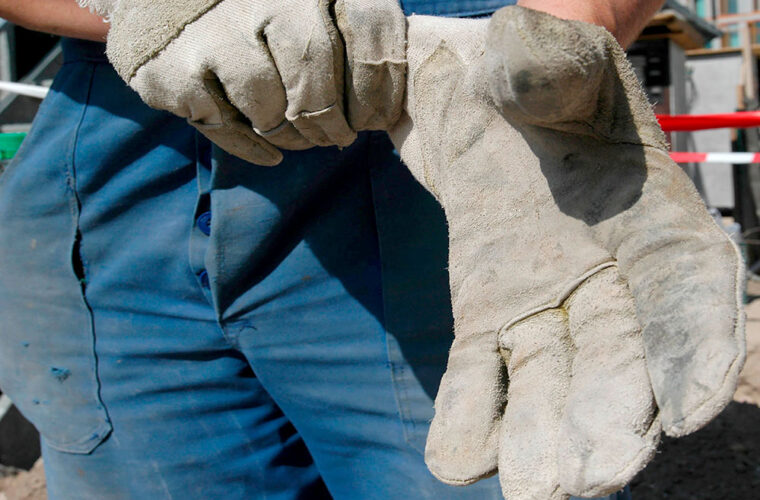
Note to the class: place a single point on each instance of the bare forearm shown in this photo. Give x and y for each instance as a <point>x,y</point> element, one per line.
<point>59,17</point>
<point>623,18</point>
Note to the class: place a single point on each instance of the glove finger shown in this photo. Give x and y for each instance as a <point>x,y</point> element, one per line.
<point>203,102</point>
<point>686,277</point>
<point>310,65</point>
<point>234,134</point>
<point>462,443</point>
<point>610,429</point>
<point>237,139</point>
<point>375,42</point>
<point>547,69</point>
<point>539,355</point>
<point>257,91</point>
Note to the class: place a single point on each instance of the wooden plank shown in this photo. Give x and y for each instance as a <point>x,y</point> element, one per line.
<point>668,24</point>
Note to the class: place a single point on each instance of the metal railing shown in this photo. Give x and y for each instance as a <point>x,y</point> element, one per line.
<point>7,51</point>
<point>20,94</point>
<point>8,84</point>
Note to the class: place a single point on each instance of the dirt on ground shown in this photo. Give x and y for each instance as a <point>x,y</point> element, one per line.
<point>24,485</point>
<point>721,461</point>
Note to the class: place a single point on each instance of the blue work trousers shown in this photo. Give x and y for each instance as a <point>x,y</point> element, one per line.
<point>180,324</point>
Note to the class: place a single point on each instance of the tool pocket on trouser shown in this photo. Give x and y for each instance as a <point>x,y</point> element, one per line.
<point>48,365</point>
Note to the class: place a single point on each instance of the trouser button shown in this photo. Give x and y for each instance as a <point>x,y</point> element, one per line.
<point>203,277</point>
<point>204,223</point>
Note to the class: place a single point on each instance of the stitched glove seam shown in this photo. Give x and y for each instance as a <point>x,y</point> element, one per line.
<point>561,298</point>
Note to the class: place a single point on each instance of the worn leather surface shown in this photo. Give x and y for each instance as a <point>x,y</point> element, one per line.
<point>595,300</point>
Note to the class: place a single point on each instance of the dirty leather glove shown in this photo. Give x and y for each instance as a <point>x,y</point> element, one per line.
<point>596,302</point>
<point>254,75</point>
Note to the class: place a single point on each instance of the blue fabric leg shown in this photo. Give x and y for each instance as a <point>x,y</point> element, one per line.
<point>105,324</point>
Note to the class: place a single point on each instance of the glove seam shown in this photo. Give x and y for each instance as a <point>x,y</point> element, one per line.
<point>272,131</point>
<point>561,298</point>
<point>305,114</point>
<point>379,62</point>
<point>604,137</point>
<point>463,482</point>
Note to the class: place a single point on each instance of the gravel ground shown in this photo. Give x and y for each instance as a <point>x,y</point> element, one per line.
<point>24,485</point>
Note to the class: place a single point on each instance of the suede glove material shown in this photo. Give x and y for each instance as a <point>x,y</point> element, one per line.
<point>255,75</point>
<point>595,300</point>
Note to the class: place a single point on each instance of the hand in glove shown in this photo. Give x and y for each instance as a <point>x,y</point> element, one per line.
<point>254,75</point>
<point>595,300</point>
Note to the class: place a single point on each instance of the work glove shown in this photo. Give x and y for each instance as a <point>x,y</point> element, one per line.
<point>255,75</point>
<point>596,302</point>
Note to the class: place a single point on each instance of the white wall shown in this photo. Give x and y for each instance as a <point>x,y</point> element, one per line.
<point>711,88</point>
<point>746,5</point>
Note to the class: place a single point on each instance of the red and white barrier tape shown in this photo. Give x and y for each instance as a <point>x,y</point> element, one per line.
<point>685,123</point>
<point>732,158</point>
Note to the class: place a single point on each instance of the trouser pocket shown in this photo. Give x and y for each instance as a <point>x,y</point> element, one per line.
<point>47,359</point>
<point>48,365</point>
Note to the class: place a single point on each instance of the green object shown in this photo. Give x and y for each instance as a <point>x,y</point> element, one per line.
<point>9,144</point>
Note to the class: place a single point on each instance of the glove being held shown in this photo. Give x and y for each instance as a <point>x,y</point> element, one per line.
<point>595,300</point>
<point>254,75</point>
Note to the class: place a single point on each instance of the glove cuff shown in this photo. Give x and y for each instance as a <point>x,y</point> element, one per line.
<point>140,29</point>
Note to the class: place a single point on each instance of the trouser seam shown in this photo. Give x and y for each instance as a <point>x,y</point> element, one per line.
<point>77,256</point>
<point>396,371</point>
